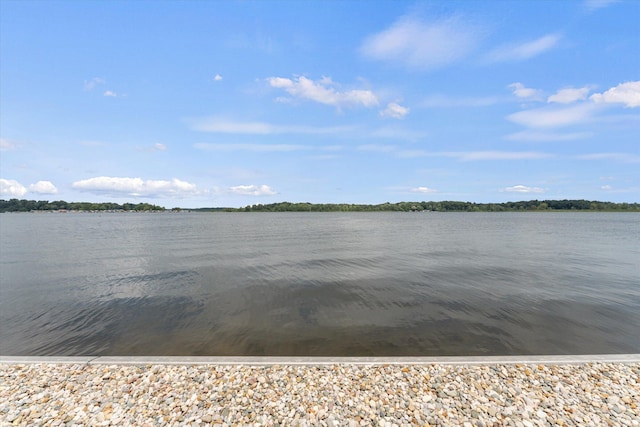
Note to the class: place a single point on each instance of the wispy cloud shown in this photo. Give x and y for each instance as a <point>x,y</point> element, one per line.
<point>552,116</point>
<point>522,189</point>
<point>525,50</point>
<point>252,190</point>
<point>525,93</point>
<point>468,156</point>
<point>6,145</point>
<point>217,77</point>
<point>499,155</point>
<point>153,148</point>
<point>395,111</point>
<point>324,91</point>
<point>92,83</point>
<point>570,95</point>
<point>538,136</point>
<point>617,157</point>
<point>135,186</point>
<point>424,45</point>
<point>443,101</point>
<point>262,148</point>
<point>396,132</point>
<point>222,125</point>
<point>592,5</point>
<point>378,148</point>
<point>625,93</point>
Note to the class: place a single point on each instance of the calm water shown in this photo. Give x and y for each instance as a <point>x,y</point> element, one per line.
<point>319,284</point>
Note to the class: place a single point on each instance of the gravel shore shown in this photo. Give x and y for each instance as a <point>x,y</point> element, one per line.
<point>523,395</point>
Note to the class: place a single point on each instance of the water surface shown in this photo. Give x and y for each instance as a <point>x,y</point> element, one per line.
<point>319,284</point>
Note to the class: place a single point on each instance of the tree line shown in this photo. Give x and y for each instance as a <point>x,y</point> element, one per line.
<point>445,206</point>
<point>15,205</point>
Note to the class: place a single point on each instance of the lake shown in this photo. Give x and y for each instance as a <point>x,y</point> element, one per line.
<point>319,284</point>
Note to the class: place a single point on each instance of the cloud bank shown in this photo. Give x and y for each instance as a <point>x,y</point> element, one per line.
<point>12,188</point>
<point>135,186</point>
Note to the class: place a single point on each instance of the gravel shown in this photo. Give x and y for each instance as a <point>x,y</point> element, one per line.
<point>520,395</point>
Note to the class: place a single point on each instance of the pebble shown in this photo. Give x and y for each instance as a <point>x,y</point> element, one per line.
<point>590,394</point>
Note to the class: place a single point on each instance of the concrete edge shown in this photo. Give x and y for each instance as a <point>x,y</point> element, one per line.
<point>316,361</point>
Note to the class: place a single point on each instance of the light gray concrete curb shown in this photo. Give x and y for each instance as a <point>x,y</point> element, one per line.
<point>314,361</point>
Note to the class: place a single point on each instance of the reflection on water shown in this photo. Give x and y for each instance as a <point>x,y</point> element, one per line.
<point>319,284</point>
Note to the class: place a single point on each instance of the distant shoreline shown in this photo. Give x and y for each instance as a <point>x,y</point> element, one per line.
<point>15,205</point>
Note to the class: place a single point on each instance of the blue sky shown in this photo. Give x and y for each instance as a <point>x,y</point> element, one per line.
<point>230,103</point>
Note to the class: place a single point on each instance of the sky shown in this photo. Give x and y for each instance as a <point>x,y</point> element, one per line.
<point>234,103</point>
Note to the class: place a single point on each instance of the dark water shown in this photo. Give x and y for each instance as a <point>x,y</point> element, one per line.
<point>319,284</point>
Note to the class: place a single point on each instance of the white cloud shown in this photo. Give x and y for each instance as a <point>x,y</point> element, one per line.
<point>43,187</point>
<point>423,190</point>
<point>537,136</point>
<point>110,94</point>
<point>135,186</point>
<point>6,145</point>
<point>422,45</point>
<point>526,50</point>
<point>11,188</point>
<point>217,77</point>
<point>252,190</point>
<point>324,91</point>
<point>569,95</point>
<point>606,187</point>
<point>523,189</point>
<point>395,111</point>
<point>625,93</point>
<point>550,117</point>
<point>523,92</point>
<point>92,83</point>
